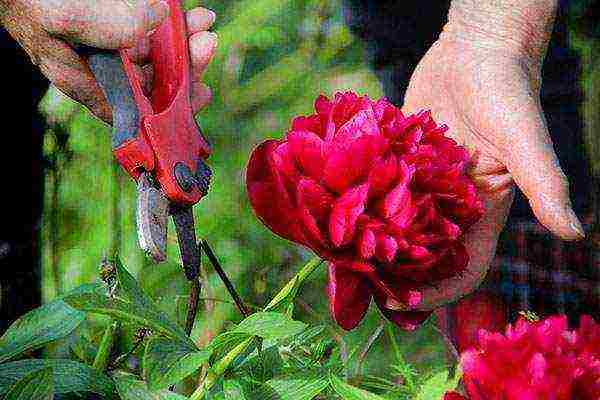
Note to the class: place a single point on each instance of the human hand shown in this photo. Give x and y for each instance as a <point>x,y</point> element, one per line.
<point>46,29</point>
<point>482,78</point>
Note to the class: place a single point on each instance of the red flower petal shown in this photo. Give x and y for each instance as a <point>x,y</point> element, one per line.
<point>383,175</point>
<point>407,320</point>
<point>366,244</point>
<point>386,248</point>
<point>311,124</point>
<point>345,166</point>
<point>454,396</point>
<point>349,296</point>
<point>315,198</point>
<point>346,210</point>
<point>307,149</point>
<point>268,198</point>
<point>399,196</point>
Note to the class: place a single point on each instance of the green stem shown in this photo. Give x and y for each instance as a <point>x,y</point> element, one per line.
<point>219,369</point>
<point>106,344</point>
<point>410,383</point>
<point>293,285</point>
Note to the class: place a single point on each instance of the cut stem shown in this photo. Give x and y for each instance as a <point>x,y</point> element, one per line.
<point>226,281</point>
<point>192,306</point>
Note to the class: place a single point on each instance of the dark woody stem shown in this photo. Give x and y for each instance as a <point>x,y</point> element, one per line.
<point>226,281</point>
<point>192,305</point>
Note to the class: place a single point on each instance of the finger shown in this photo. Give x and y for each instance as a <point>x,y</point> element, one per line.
<point>201,96</point>
<point>199,19</point>
<point>480,242</point>
<point>140,53</point>
<point>202,50</point>
<point>534,166</point>
<point>107,24</point>
<point>145,74</point>
<point>72,76</point>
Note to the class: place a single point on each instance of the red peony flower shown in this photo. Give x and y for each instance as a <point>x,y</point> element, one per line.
<point>454,396</point>
<point>536,360</point>
<point>382,196</point>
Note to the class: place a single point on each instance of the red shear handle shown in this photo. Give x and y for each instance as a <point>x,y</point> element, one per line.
<point>167,120</point>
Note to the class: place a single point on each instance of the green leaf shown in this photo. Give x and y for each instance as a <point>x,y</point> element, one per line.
<point>167,362</point>
<point>294,387</point>
<point>68,376</point>
<point>136,313</point>
<point>349,392</point>
<point>234,390</point>
<point>270,326</point>
<point>437,385</point>
<point>34,386</point>
<point>39,327</point>
<point>130,289</point>
<point>130,388</point>
<point>224,342</point>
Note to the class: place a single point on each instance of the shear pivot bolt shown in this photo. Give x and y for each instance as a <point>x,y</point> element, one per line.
<point>184,177</point>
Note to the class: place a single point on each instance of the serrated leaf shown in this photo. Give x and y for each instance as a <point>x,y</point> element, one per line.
<point>37,385</point>
<point>270,326</point>
<point>130,388</point>
<point>437,385</point>
<point>167,362</point>
<point>39,327</point>
<point>68,376</point>
<point>294,387</point>
<point>349,392</point>
<point>128,312</point>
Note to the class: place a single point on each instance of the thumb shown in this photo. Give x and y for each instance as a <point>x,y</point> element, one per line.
<point>533,164</point>
<point>106,24</point>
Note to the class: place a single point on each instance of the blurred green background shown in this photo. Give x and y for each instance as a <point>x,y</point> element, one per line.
<point>274,57</point>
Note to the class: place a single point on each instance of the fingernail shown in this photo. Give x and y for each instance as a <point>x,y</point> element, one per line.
<point>206,42</point>
<point>212,16</point>
<point>157,12</point>
<point>575,224</point>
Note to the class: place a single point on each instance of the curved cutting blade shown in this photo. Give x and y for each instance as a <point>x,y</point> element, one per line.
<point>151,218</point>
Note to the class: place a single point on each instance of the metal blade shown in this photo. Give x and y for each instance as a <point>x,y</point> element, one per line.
<point>151,218</point>
<point>186,236</point>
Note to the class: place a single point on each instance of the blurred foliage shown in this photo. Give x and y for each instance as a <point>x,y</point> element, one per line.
<point>274,58</point>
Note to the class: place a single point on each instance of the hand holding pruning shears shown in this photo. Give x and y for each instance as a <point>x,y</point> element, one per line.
<point>49,30</point>
<point>138,66</point>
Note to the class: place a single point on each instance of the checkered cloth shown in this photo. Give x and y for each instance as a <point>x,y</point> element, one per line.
<point>546,275</point>
<point>532,271</point>
<point>535,271</point>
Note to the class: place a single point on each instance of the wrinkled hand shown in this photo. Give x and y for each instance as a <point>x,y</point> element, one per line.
<point>485,86</point>
<point>46,29</point>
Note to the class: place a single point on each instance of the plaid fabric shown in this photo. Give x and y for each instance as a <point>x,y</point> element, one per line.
<point>537,272</point>
<point>532,271</point>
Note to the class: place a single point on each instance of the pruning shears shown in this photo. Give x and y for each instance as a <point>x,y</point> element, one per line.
<point>156,138</point>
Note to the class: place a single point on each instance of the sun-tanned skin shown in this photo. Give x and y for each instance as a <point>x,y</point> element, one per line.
<point>46,29</point>
<point>482,77</point>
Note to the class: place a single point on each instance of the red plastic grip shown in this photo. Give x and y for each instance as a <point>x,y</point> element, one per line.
<point>167,122</point>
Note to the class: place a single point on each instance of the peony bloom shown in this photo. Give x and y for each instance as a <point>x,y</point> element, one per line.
<point>536,360</point>
<point>454,396</point>
<point>383,197</point>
